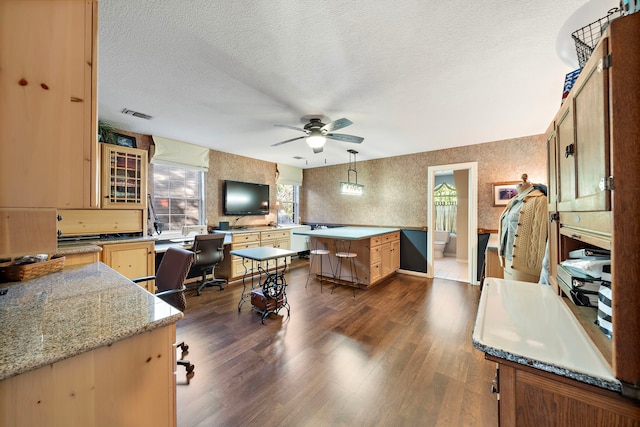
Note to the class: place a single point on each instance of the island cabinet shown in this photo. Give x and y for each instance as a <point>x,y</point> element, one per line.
<point>48,143</point>
<point>377,257</point>
<point>94,350</point>
<point>128,383</point>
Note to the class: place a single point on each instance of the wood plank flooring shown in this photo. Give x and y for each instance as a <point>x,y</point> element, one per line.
<point>399,354</point>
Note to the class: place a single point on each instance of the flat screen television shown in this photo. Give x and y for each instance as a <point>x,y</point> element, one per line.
<point>245,198</point>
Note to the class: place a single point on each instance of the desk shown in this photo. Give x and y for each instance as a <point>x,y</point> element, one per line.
<point>274,282</point>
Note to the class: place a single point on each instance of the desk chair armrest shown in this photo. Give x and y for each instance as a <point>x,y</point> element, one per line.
<point>171,291</point>
<point>143,279</point>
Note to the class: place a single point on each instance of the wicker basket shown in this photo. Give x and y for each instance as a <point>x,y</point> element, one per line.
<point>18,273</point>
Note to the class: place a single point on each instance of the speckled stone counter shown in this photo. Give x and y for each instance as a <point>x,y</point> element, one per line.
<point>63,314</point>
<point>78,248</point>
<point>527,323</point>
<point>92,245</point>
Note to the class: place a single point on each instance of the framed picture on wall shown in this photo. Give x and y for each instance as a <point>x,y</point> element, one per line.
<point>125,140</point>
<point>503,192</point>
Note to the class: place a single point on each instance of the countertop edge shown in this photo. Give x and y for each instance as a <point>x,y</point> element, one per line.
<point>547,367</point>
<point>330,233</point>
<point>53,358</point>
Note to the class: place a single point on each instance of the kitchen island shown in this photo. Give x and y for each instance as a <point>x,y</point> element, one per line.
<point>86,346</point>
<point>377,252</point>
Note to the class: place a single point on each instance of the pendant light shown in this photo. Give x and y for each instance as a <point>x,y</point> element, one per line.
<point>352,188</point>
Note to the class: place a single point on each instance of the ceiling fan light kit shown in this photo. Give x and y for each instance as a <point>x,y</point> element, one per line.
<point>318,133</point>
<point>316,139</point>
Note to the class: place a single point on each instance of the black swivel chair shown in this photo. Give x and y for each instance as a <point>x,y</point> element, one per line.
<point>209,252</point>
<point>170,278</point>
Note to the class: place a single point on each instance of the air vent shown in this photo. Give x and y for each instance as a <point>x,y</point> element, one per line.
<point>136,114</point>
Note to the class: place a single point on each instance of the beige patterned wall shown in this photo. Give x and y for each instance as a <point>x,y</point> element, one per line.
<point>396,187</point>
<point>225,166</point>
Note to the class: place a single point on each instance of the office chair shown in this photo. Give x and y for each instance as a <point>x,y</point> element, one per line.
<point>209,252</point>
<point>170,278</point>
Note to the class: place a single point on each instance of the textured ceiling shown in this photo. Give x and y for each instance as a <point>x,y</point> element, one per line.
<point>412,75</point>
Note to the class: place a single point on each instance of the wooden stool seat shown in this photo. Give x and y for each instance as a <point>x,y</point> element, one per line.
<point>321,253</point>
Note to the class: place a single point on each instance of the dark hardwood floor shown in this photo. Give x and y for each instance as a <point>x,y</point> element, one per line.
<point>399,354</point>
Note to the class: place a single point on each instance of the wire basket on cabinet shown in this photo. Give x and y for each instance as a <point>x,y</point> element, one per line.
<point>587,37</point>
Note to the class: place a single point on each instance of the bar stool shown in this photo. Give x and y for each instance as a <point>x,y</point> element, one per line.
<point>343,252</point>
<point>318,253</point>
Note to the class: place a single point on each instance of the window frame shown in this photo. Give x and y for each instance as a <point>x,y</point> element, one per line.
<point>168,233</point>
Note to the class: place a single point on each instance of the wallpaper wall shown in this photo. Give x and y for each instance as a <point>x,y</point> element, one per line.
<point>225,166</point>
<point>396,187</point>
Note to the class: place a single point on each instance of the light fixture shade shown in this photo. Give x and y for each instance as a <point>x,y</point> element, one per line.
<point>351,189</point>
<point>316,139</point>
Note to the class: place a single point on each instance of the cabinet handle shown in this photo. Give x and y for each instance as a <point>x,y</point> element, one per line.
<point>569,150</point>
<point>75,99</point>
<point>576,236</point>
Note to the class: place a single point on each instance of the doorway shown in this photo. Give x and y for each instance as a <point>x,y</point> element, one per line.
<point>469,227</point>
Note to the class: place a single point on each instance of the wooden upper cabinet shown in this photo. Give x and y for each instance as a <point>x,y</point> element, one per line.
<point>583,140</point>
<point>591,103</point>
<point>124,177</point>
<point>48,148</point>
<point>566,166</point>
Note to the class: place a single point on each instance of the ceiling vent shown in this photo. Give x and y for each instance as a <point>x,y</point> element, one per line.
<point>136,114</point>
<point>298,158</point>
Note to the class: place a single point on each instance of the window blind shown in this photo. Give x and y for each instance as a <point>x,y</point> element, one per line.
<point>288,175</point>
<point>177,153</point>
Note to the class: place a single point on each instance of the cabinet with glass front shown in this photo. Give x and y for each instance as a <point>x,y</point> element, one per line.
<point>124,177</point>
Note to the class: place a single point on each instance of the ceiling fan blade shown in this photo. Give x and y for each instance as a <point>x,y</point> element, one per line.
<point>288,140</point>
<point>291,127</point>
<point>317,150</point>
<point>345,138</point>
<point>336,124</point>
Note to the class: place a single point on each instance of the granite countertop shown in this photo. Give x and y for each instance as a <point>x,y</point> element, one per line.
<point>347,233</point>
<point>73,247</point>
<point>78,309</point>
<point>527,323</point>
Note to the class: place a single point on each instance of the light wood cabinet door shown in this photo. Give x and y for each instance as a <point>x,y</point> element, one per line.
<point>128,383</point>
<point>48,148</point>
<point>124,177</point>
<point>566,166</point>
<point>591,104</point>
<point>395,255</point>
<point>132,260</point>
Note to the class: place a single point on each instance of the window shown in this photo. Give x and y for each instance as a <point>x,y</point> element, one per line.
<point>178,196</point>
<point>287,201</point>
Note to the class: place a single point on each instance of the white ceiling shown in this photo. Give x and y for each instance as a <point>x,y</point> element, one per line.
<point>412,75</point>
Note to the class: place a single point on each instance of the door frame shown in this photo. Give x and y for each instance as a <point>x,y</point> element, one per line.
<point>472,216</point>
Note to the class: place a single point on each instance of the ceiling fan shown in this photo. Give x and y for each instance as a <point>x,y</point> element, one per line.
<point>318,132</point>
